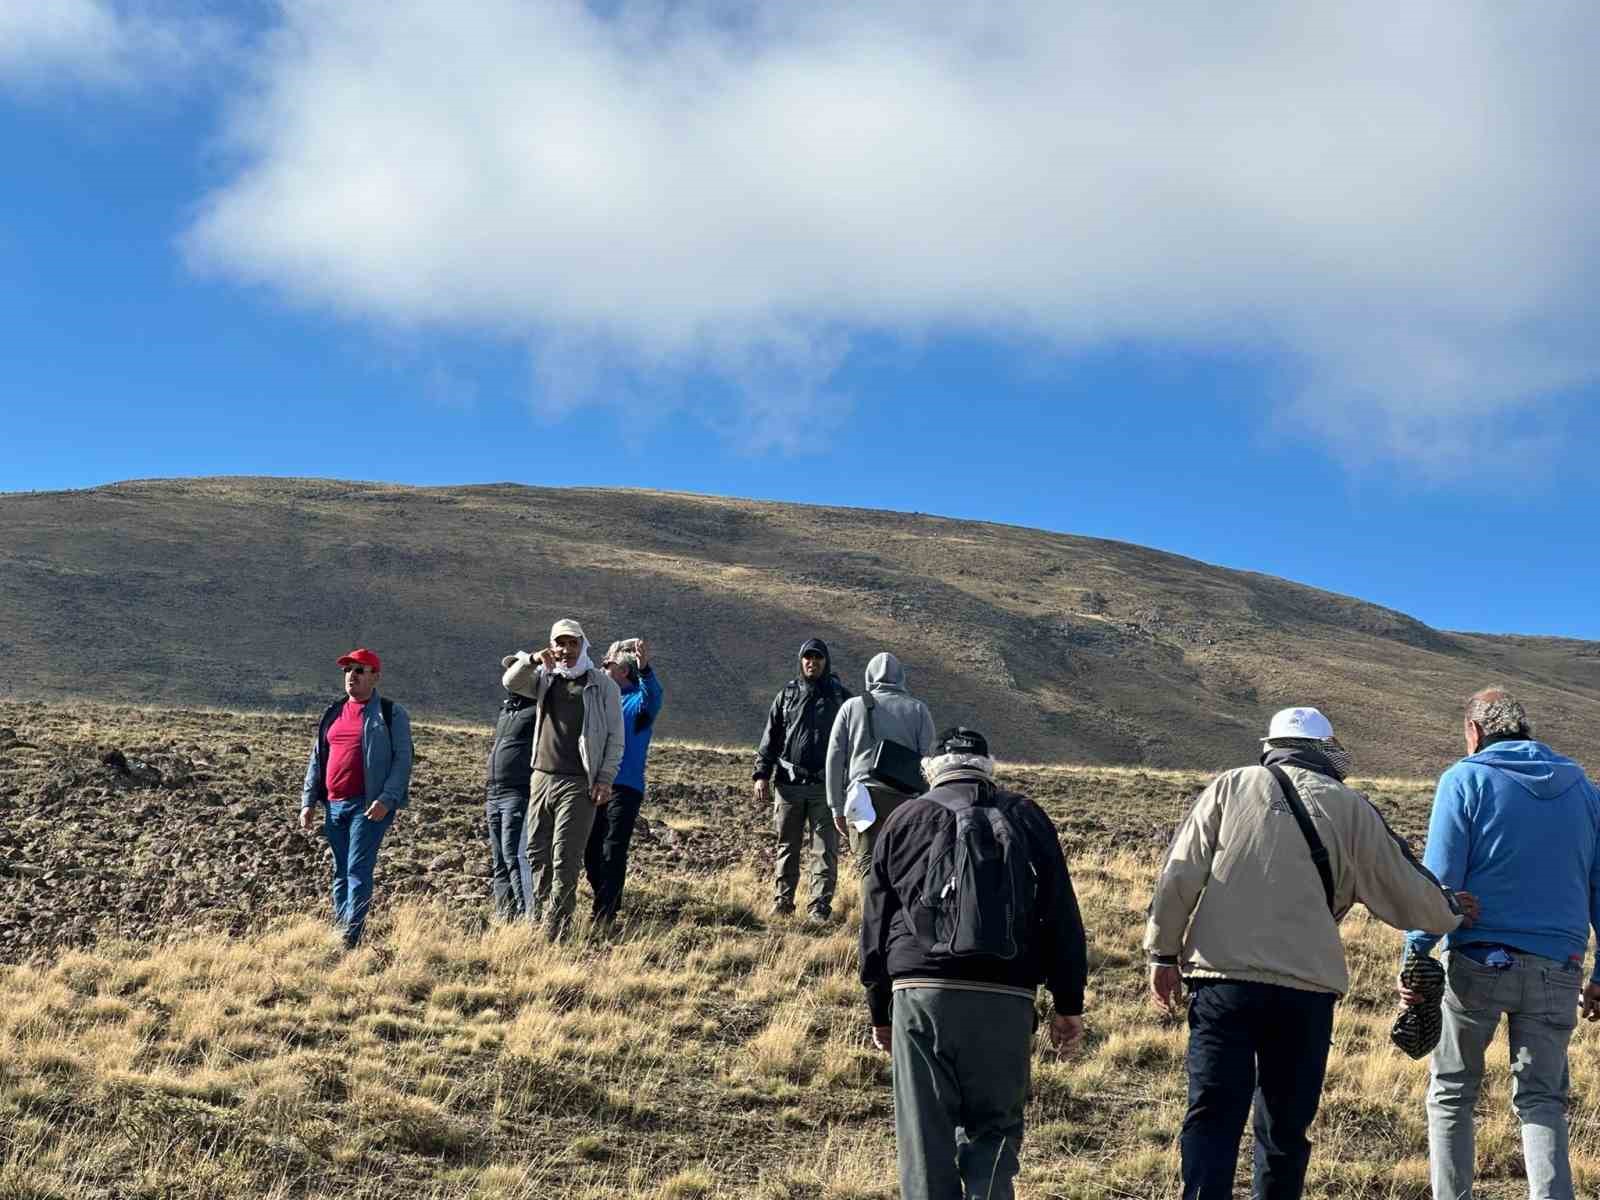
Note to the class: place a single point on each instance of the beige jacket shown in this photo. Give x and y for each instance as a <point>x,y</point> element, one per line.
<point>1239,897</point>
<point>601,743</point>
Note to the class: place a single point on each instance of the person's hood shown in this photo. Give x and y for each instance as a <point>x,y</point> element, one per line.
<point>1539,770</point>
<point>885,674</point>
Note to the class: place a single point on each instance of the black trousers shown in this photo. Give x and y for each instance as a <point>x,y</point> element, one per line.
<point>1253,1043</point>
<point>605,861</point>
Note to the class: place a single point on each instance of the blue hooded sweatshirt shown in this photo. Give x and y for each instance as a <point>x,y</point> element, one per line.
<point>1518,826</point>
<point>641,702</point>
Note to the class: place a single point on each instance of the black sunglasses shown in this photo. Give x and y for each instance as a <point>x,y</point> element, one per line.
<point>355,670</point>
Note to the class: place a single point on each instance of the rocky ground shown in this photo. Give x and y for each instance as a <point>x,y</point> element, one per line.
<point>150,824</point>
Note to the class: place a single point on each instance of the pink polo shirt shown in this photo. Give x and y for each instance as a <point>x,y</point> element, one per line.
<point>347,779</point>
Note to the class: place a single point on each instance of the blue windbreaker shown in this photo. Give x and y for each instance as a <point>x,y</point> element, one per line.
<point>640,705</point>
<point>1518,826</point>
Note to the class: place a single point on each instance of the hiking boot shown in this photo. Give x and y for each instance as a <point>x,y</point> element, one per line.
<point>783,908</point>
<point>819,916</point>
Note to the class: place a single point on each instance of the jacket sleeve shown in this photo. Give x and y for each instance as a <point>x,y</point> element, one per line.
<point>1448,850</point>
<point>840,742</point>
<point>926,736</point>
<point>1185,875</point>
<point>772,736</point>
<point>1594,883</point>
<point>654,694</point>
<point>1063,948</point>
<point>313,781</point>
<point>879,904</point>
<point>522,676</point>
<point>1394,886</point>
<point>611,698</point>
<point>397,784</point>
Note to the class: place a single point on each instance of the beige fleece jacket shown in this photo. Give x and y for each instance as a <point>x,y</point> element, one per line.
<point>1239,897</point>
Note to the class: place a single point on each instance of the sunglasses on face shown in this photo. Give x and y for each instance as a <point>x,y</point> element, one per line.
<point>355,670</point>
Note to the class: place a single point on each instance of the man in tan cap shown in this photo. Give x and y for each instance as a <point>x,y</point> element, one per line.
<point>577,747</point>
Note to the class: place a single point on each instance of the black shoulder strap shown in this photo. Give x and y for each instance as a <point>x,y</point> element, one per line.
<point>866,703</point>
<point>1319,852</point>
<point>386,707</point>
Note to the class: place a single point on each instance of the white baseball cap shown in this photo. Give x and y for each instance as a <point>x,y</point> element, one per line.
<point>1299,723</point>
<point>858,808</point>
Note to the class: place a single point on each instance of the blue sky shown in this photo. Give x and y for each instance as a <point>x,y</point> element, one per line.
<point>1311,298</point>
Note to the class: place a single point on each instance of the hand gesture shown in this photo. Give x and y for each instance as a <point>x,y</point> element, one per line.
<point>641,649</point>
<point>883,1037</point>
<point>600,795</point>
<point>1471,910</point>
<point>763,791</point>
<point>377,811</point>
<point>547,658</point>
<point>306,823</point>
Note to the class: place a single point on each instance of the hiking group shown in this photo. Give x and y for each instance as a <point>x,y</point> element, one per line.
<point>968,905</point>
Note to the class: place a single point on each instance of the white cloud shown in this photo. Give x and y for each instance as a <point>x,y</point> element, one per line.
<point>1399,199</point>
<point>106,43</point>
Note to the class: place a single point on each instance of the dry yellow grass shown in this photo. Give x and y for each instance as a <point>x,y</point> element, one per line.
<point>703,1053</point>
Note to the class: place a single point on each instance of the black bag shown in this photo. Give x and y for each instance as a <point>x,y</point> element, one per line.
<point>980,890</point>
<point>1319,852</point>
<point>893,765</point>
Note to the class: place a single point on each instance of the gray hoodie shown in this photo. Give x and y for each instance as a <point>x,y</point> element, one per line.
<point>897,716</point>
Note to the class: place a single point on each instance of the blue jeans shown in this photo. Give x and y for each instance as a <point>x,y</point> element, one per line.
<point>1539,998</point>
<point>506,813</point>
<point>1260,1045</point>
<point>355,842</point>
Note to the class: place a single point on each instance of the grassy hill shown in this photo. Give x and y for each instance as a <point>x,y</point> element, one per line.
<point>183,1026</point>
<point>239,592</point>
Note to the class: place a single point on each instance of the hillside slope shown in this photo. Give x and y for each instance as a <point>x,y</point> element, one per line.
<point>239,592</point>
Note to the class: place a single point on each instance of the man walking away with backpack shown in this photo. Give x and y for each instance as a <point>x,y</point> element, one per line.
<point>894,715</point>
<point>606,861</point>
<point>360,769</point>
<point>967,908</point>
<point>1247,908</point>
<point>793,751</point>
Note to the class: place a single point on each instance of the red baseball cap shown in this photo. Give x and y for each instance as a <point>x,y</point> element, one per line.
<point>364,657</point>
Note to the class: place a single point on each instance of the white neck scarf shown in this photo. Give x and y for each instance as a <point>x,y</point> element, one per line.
<point>581,667</point>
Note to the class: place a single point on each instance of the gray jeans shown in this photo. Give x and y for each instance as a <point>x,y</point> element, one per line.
<point>1539,996</point>
<point>560,816</point>
<point>801,816</point>
<point>961,1063</point>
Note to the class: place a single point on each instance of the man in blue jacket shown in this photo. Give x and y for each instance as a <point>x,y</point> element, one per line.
<point>360,768</point>
<point>605,861</point>
<point>1518,826</point>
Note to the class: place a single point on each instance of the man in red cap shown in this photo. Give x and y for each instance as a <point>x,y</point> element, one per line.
<point>360,769</point>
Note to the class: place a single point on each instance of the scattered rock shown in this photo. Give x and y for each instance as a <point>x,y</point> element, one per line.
<point>117,761</point>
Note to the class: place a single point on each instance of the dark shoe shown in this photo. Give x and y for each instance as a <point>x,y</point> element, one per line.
<point>820,916</point>
<point>783,908</point>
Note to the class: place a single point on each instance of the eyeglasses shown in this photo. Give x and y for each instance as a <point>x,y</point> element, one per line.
<point>355,670</point>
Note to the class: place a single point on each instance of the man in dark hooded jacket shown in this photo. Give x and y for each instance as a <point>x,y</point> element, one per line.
<point>793,754</point>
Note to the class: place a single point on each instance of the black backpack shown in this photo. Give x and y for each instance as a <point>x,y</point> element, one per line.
<point>980,890</point>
